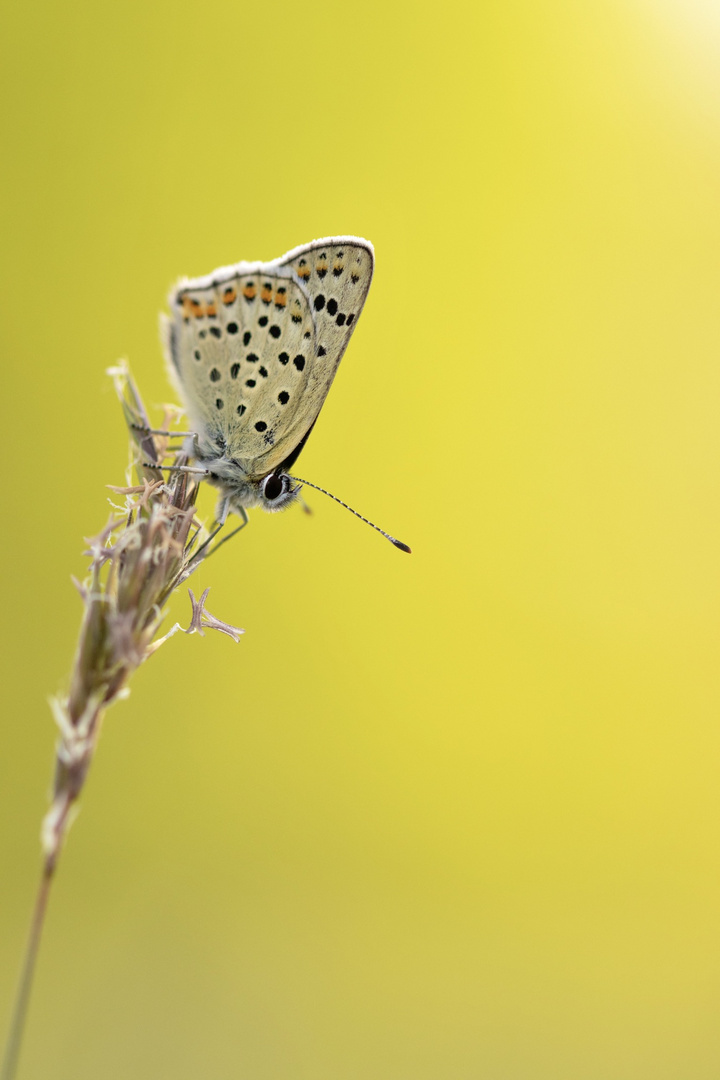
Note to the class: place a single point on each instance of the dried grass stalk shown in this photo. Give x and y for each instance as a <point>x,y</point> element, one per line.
<point>150,546</point>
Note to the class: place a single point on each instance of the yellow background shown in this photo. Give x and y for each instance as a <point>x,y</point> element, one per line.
<point>439,817</point>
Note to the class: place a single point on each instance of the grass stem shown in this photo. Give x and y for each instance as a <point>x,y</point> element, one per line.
<point>22,999</point>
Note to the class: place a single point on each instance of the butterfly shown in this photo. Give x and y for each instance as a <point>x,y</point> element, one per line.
<point>252,350</point>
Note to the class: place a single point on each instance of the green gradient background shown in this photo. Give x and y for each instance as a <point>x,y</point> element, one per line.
<point>445,817</point>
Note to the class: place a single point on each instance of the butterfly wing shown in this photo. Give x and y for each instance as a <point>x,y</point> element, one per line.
<point>240,343</point>
<point>254,347</point>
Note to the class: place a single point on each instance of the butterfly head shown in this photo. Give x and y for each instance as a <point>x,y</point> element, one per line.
<point>273,492</point>
<point>277,491</point>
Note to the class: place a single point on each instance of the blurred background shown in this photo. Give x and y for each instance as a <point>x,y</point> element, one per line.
<point>452,815</point>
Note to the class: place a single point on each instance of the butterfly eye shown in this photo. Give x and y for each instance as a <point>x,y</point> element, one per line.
<point>274,487</point>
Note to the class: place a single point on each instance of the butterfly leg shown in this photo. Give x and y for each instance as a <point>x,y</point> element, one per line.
<point>243,523</point>
<point>195,452</point>
<point>222,511</point>
<point>217,526</point>
<point>160,431</point>
<point>175,468</point>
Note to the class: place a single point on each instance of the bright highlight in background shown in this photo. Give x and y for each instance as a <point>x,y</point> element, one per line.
<point>685,38</point>
<point>701,13</point>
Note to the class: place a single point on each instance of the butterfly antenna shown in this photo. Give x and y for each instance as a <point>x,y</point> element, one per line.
<point>397,543</point>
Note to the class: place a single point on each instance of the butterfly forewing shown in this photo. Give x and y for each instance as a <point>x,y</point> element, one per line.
<point>255,347</point>
<point>336,275</point>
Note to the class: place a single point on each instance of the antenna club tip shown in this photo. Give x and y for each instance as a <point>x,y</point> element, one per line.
<point>403,547</point>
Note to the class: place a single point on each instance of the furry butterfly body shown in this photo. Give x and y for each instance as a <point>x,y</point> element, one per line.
<point>253,350</point>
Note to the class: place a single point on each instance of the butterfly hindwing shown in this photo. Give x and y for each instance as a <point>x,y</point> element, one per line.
<point>241,348</point>
<point>255,347</point>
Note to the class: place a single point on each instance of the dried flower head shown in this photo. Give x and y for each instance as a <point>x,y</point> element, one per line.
<point>150,546</point>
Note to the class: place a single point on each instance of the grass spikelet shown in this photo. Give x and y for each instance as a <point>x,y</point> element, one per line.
<point>150,546</point>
